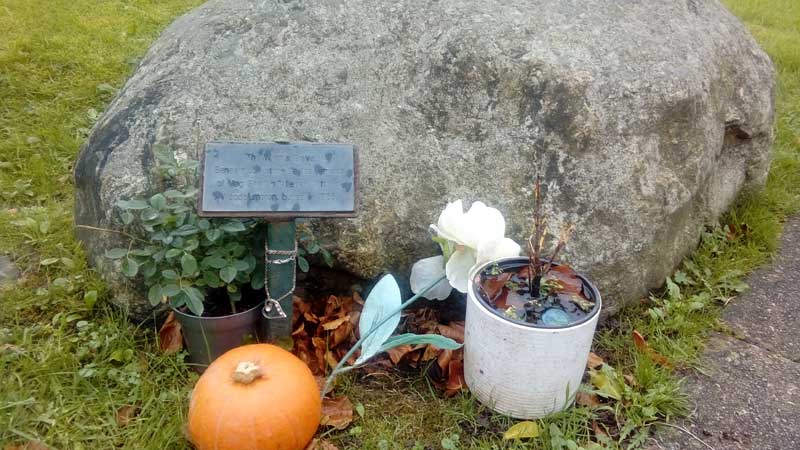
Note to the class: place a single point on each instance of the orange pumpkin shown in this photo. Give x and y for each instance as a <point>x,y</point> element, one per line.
<point>255,397</point>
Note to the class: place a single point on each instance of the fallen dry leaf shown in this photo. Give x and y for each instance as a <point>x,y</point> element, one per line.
<point>586,399</point>
<point>453,330</point>
<point>170,337</point>
<point>522,430</point>
<point>598,430</point>
<point>337,413</point>
<point>396,354</point>
<point>641,344</point>
<point>320,383</point>
<point>341,334</point>
<point>594,361</point>
<point>126,414</point>
<point>334,324</point>
<point>320,444</point>
<point>494,284</point>
<point>455,378</point>
<point>566,277</point>
<point>331,360</point>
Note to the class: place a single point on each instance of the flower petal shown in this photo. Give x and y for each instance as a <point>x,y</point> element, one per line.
<point>450,221</point>
<point>458,267</point>
<point>426,271</point>
<point>481,223</point>
<point>501,248</point>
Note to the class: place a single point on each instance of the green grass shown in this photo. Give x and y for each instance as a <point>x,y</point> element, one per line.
<point>69,366</point>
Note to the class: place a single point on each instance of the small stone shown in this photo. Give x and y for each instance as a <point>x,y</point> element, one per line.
<point>9,272</point>
<point>555,317</point>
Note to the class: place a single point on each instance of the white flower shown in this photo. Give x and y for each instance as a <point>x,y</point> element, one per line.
<point>478,236</point>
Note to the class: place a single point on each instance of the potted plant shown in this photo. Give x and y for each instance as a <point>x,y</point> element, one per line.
<point>206,270</point>
<point>529,321</point>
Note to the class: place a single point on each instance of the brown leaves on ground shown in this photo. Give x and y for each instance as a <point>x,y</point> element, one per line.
<point>325,329</point>
<point>642,346</point>
<point>126,414</point>
<point>320,444</point>
<point>587,399</point>
<point>594,361</point>
<point>337,413</point>
<point>170,337</point>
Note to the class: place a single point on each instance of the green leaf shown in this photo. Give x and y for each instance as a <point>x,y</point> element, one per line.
<point>130,267</point>
<point>148,214</point>
<point>185,230</point>
<point>604,382</point>
<point>159,255</point>
<point>116,253</point>
<point>673,289</point>
<point>381,302</point>
<point>326,255</point>
<point>169,274</point>
<point>442,342</point>
<point>89,299</point>
<point>312,247</point>
<point>154,294</point>
<point>215,262</point>
<point>149,269</point>
<point>241,265</point>
<point>158,201</point>
<point>211,279</point>
<point>173,252</point>
<point>164,154</point>
<point>360,409</point>
<point>170,290</point>
<point>195,302</point>
<point>203,224</point>
<point>132,204</point>
<point>302,263</point>
<point>257,280</point>
<point>251,262</point>
<point>172,193</point>
<point>127,218</point>
<point>233,226</point>
<point>213,234</point>
<point>522,430</point>
<point>188,264</point>
<point>191,244</point>
<point>48,261</point>
<point>227,274</point>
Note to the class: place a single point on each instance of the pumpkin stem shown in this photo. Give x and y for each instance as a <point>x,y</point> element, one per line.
<point>246,372</point>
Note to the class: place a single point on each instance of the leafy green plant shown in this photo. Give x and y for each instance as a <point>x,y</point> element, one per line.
<point>308,244</point>
<point>180,255</point>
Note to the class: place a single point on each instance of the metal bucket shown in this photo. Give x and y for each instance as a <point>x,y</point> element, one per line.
<point>207,338</point>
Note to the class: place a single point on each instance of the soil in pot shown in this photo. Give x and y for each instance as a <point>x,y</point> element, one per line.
<point>559,298</point>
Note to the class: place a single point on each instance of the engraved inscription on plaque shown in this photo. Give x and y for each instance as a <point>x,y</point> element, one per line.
<point>278,179</point>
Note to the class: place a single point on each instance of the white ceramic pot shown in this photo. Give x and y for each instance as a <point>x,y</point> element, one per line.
<point>523,371</point>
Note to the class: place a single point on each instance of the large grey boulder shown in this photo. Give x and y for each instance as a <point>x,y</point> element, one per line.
<point>645,119</point>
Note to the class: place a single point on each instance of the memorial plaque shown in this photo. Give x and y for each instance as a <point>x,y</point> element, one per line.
<point>278,180</point>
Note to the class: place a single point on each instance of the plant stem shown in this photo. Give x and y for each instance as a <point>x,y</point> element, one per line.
<point>340,366</point>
